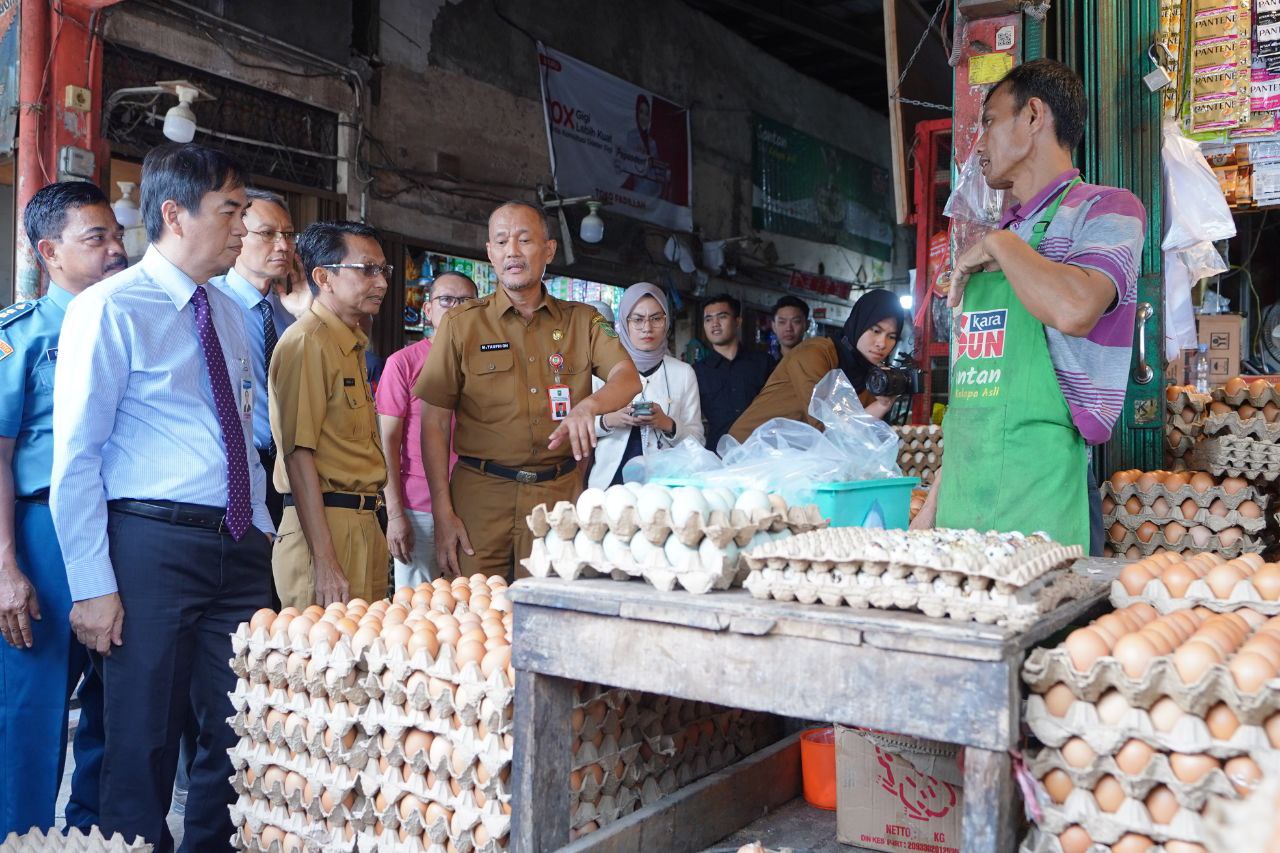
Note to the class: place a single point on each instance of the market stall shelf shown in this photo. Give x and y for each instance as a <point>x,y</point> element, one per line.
<point>904,672</point>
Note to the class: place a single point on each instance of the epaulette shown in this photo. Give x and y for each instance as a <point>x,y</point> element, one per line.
<point>16,310</point>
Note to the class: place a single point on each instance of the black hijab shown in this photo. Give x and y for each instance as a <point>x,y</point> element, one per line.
<point>874,306</point>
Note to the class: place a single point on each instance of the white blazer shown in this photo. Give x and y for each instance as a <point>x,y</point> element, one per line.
<point>674,387</point>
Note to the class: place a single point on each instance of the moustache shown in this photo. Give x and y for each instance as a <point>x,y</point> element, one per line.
<point>116,264</point>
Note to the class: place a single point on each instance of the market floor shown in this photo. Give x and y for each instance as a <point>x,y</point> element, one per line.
<point>64,793</point>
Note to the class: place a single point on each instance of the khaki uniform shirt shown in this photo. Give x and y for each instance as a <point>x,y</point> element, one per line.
<point>493,368</point>
<point>790,387</point>
<point>319,396</point>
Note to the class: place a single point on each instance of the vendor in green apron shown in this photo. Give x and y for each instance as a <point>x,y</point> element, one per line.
<point>1042,341</point>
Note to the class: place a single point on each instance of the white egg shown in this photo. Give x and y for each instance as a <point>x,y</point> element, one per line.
<point>617,499</point>
<point>642,549</point>
<point>716,502</point>
<point>713,558</point>
<point>686,501</point>
<point>652,498</point>
<point>587,501</point>
<point>752,499</point>
<point>584,547</point>
<point>634,488</point>
<point>616,551</point>
<point>677,552</point>
<point>554,544</point>
<point>759,539</point>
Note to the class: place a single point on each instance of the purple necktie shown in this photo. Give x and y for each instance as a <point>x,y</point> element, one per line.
<point>239,512</point>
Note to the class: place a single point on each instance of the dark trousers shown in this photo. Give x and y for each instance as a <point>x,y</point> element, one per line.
<point>184,591</point>
<point>1096,533</point>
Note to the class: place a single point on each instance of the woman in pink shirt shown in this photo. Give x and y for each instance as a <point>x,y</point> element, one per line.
<point>410,528</point>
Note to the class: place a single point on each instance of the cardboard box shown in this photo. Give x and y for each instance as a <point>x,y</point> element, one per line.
<point>1222,332</point>
<point>895,793</point>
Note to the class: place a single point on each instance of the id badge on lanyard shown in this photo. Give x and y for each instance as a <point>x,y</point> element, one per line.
<point>561,402</point>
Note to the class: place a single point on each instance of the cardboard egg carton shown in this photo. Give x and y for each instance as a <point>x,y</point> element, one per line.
<point>256,759</point>
<point>694,575</point>
<point>1230,424</point>
<point>251,817</point>
<point>1179,442</point>
<point>735,526</point>
<point>1245,394</point>
<point>973,599</point>
<point>1198,594</point>
<point>1190,735</point>
<point>1187,398</point>
<point>1179,496</point>
<point>1203,517</point>
<point>72,840</point>
<point>1011,559</point>
<point>1235,456</point>
<point>460,826</point>
<point>1132,816</point>
<point>1190,795</point>
<point>1231,826</point>
<point>1044,668</point>
<point>1131,546</point>
<point>1038,840</point>
<point>395,669</point>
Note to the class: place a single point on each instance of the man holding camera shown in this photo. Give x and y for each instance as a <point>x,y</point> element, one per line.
<point>868,339</point>
<point>1043,341</point>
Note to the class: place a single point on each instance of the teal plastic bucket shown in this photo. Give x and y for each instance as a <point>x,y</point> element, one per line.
<point>867,503</point>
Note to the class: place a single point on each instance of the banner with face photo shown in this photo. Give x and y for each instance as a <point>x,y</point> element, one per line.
<point>615,141</point>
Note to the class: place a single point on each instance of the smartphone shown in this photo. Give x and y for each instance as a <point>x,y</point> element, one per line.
<point>642,409</point>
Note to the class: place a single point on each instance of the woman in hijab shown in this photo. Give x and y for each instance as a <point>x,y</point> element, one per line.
<point>667,409</point>
<point>869,337</point>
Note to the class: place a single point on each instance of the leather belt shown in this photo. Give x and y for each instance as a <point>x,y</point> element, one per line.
<point>41,497</point>
<point>344,500</point>
<point>520,475</point>
<point>184,515</point>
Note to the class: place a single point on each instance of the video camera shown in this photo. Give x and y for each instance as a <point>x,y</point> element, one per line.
<point>900,377</point>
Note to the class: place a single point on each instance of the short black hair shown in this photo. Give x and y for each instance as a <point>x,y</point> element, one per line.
<point>186,173</point>
<point>45,216</point>
<point>324,243</point>
<point>789,301</point>
<point>259,194</point>
<point>1061,90</point>
<point>735,307</point>
<point>541,214</point>
<point>455,274</point>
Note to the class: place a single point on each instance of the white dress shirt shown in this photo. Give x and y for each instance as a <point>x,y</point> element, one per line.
<point>133,410</point>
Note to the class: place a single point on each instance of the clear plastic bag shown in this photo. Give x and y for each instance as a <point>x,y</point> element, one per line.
<point>1195,209</point>
<point>869,445</point>
<point>972,198</point>
<point>687,459</point>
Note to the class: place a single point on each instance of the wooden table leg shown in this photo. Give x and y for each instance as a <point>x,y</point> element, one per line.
<point>991,803</point>
<point>540,766</point>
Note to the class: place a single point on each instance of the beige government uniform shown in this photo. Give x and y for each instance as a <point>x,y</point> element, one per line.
<point>320,399</point>
<point>494,370</point>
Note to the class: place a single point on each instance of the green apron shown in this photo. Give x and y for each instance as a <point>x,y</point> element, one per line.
<point>1014,460</point>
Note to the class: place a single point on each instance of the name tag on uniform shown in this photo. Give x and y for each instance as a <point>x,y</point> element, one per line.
<point>348,382</point>
<point>560,402</point>
<point>494,347</point>
<point>246,396</point>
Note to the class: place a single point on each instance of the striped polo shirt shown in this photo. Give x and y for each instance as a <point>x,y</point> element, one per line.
<point>1098,228</point>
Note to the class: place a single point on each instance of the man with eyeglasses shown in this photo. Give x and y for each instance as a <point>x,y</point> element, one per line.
<point>411,532</point>
<point>268,284</point>
<point>330,468</point>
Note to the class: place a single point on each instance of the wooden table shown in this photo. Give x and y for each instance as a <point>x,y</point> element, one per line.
<point>903,672</point>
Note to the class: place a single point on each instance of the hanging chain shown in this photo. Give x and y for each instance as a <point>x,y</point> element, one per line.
<point>943,4</point>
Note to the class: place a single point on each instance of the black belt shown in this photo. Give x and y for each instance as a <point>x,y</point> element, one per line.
<point>520,475</point>
<point>184,515</point>
<point>41,497</point>
<point>343,500</point>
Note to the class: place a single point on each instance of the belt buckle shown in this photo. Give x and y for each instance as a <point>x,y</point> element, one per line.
<point>222,526</point>
<point>378,502</point>
<point>526,477</point>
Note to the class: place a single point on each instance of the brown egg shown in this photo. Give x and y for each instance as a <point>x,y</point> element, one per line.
<point>1165,714</point>
<point>1135,653</point>
<point>396,635</point>
<point>1230,536</point>
<point>1272,728</point>
<point>1172,392</point>
<point>1223,579</point>
<point>1149,480</point>
<point>1134,756</point>
<point>1133,842</point>
<point>1075,840</point>
<point>1258,387</point>
<point>1194,658</point>
<point>323,634</point>
<point>1250,671</point>
<point>1231,485</point>
<point>1189,509</point>
<point>1108,794</point>
<point>1244,773</point>
<point>1173,532</point>
<point>1200,536</point>
<point>1192,768</point>
<point>1175,435</point>
<point>1058,785</point>
<point>1176,480</point>
<point>1147,530</point>
<point>1221,721</point>
<point>1201,482</point>
<point>300,627</point>
<point>470,651</point>
<point>1267,582</point>
<point>1112,707</point>
<point>1160,506</point>
<point>1133,506</point>
<point>1183,847</point>
<point>1216,408</point>
<point>1084,646</point>
<point>424,638</point>
<point>1271,412</point>
<point>1246,412</point>
<point>1162,805</point>
<point>1077,753</point>
<point>1177,578</point>
<point>1235,385</point>
<point>1107,504</point>
<point>495,659</point>
<point>1117,532</point>
<point>1120,479</point>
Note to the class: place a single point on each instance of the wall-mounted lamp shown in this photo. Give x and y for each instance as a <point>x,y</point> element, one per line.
<point>591,230</point>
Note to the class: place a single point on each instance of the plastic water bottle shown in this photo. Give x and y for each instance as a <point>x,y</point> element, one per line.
<point>1202,369</point>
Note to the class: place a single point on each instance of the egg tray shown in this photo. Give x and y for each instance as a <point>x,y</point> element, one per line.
<point>1132,816</point>
<point>1203,517</point>
<point>1230,424</point>
<point>1243,545</point>
<point>1179,496</point>
<point>338,779</point>
<point>1231,826</point>
<point>1039,841</point>
<point>472,685</point>
<point>1008,559</point>
<point>926,475</point>
<point>251,817</point>
<point>694,576</point>
<point>1190,735</point>
<point>1198,594</point>
<point>662,780</point>
<point>332,671</point>
<point>71,840</point>
<point>1044,668</point>
<point>920,436</point>
<point>1243,395</point>
<point>1236,457</point>
<point>339,751</point>
<point>466,816</point>
<point>1189,400</point>
<point>736,526</point>
<point>1181,447</point>
<point>1190,795</point>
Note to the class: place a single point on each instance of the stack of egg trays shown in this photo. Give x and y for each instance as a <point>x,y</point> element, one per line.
<point>1185,423</point>
<point>71,840</point>
<point>1238,456</point>
<point>665,744</point>
<point>1045,668</point>
<point>717,538</point>
<point>1232,826</point>
<point>920,453</point>
<point>1249,543</point>
<point>1004,579</point>
<point>1198,594</point>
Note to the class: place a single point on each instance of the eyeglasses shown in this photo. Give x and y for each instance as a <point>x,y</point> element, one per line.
<point>653,321</point>
<point>369,270</point>
<point>273,236</point>
<point>446,301</point>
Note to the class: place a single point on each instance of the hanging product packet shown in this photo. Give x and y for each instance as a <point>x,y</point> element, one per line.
<point>973,199</point>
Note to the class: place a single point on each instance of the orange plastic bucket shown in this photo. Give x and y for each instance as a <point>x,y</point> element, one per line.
<point>818,767</point>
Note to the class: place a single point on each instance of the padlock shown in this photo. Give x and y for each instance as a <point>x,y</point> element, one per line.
<point>1159,78</point>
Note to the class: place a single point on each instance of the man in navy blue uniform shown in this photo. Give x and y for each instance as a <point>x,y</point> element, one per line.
<point>79,242</point>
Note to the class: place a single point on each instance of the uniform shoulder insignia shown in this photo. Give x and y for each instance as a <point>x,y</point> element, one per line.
<point>605,325</point>
<point>18,309</point>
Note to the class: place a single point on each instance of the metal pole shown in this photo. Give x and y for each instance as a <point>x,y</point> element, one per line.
<point>29,177</point>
